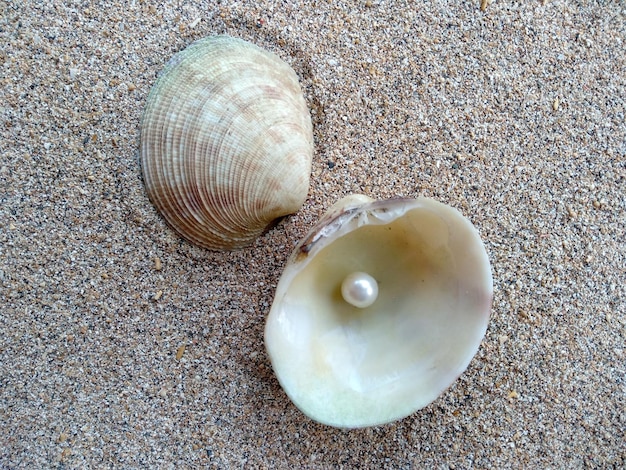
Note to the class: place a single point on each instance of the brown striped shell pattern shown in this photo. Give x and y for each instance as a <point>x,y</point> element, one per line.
<point>226,142</point>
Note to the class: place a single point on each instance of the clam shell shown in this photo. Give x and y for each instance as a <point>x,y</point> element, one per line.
<point>394,348</point>
<point>226,142</point>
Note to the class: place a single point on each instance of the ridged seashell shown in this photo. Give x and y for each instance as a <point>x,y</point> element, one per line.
<point>226,142</point>
<point>379,310</point>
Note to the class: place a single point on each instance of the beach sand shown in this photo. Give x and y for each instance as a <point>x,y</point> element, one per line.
<point>513,113</point>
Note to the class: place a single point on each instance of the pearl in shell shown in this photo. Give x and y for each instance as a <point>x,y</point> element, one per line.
<point>359,289</point>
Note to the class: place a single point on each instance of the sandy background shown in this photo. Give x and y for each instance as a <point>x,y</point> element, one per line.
<point>514,115</point>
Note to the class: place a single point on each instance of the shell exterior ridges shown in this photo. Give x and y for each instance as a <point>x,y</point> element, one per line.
<point>226,142</point>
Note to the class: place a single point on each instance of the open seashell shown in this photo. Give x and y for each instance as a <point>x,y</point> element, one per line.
<point>379,310</point>
<point>226,142</point>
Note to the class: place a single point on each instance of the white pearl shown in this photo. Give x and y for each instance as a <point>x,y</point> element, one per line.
<point>359,289</point>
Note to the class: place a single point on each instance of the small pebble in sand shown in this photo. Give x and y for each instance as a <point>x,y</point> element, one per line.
<point>180,351</point>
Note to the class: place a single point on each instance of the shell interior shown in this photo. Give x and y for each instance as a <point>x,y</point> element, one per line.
<point>354,367</point>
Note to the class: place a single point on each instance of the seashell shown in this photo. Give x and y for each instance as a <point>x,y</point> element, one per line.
<point>226,142</point>
<point>379,310</point>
